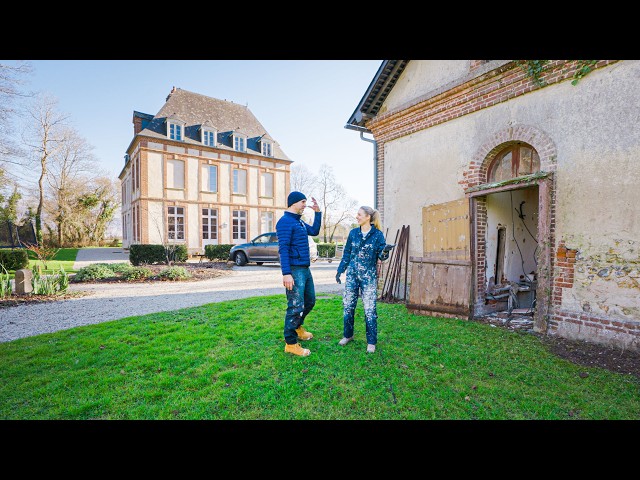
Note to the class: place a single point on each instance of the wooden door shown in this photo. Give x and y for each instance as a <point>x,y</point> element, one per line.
<point>441,278</point>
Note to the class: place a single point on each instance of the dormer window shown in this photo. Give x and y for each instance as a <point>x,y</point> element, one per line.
<point>209,137</point>
<point>208,134</point>
<point>267,148</point>
<point>175,129</point>
<point>239,142</point>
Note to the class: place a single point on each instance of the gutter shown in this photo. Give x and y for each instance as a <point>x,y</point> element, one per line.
<point>362,131</point>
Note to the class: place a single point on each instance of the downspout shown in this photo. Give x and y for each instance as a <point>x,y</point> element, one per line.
<point>375,168</point>
<point>362,130</point>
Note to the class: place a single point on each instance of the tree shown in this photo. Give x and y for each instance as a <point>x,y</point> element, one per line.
<point>70,168</point>
<point>9,205</point>
<point>11,78</point>
<point>337,207</point>
<point>302,180</point>
<point>94,206</point>
<point>44,137</point>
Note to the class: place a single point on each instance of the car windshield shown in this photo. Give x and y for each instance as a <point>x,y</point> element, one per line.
<point>263,239</point>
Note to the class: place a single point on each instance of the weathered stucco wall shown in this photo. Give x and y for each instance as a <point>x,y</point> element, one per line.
<point>594,126</point>
<point>421,77</point>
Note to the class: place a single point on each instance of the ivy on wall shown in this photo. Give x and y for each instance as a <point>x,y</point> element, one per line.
<point>534,69</point>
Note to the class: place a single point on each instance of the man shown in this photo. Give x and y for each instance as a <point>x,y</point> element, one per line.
<point>293,247</point>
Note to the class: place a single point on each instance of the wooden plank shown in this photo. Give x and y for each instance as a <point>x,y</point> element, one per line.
<point>466,263</point>
<point>445,230</point>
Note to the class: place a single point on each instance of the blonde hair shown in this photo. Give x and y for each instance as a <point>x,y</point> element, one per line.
<point>375,216</point>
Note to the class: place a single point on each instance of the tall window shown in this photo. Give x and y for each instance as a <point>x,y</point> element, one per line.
<point>210,178</point>
<point>266,222</point>
<point>266,184</point>
<point>514,161</point>
<point>209,138</point>
<point>239,227</point>
<point>175,223</point>
<point>175,131</point>
<point>136,224</point>
<point>175,174</point>
<point>238,143</point>
<point>239,181</point>
<point>209,224</point>
<point>134,175</point>
<point>267,149</point>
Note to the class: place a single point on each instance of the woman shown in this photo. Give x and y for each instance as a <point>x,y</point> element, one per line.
<point>365,247</point>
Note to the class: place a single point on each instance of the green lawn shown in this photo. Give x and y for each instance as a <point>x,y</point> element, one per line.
<point>64,258</point>
<point>226,361</point>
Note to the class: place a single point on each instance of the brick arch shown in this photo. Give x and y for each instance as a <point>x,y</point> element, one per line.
<point>476,173</point>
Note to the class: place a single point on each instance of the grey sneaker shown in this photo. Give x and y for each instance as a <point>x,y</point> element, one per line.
<point>371,348</point>
<point>345,340</point>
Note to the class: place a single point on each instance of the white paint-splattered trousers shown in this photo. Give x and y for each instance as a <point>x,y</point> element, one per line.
<point>365,287</point>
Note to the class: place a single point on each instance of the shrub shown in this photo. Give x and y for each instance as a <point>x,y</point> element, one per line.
<point>217,252</point>
<point>118,267</point>
<point>49,284</point>
<point>63,280</point>
<point>174,273</point>
<point>137,273</point>
<point>327,250</point>
<point>152,253</point>
<point>5,283</point>
<point>14,259</point>
<point>146,254</point>
<point>95,271</point>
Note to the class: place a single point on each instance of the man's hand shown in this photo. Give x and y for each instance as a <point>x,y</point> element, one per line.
<point>314,205</point>
<point>338,278</point>
<point>287,281</point>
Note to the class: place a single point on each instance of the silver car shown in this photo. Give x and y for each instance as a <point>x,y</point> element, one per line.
<point>262,249</point>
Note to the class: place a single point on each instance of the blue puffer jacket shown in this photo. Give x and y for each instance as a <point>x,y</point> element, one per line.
<point>361,255</point>
<point>293,239</point>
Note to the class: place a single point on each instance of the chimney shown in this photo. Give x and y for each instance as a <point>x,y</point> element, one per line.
<point>137,124</point>
<point>172,91</point>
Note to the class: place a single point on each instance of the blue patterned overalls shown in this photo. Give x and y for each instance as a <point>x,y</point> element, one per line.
<point>359,259</point>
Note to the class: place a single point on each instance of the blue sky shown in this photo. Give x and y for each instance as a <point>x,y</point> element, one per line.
<point>303,104</point>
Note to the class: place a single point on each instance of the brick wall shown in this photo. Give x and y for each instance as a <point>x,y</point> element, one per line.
<point>496,86</point>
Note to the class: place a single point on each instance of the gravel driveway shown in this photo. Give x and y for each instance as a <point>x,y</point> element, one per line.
<point>112,301</point>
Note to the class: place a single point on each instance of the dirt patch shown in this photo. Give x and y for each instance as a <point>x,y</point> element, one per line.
<point>198,272</point>
<point>594,355</point>
<point>579,352</point>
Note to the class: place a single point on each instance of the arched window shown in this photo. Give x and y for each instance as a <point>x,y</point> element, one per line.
<point>514,161</point>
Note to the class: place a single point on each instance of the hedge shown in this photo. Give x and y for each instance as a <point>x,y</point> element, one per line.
<point>13,259</point>
<point>151,253</point>
<point>217,252</point>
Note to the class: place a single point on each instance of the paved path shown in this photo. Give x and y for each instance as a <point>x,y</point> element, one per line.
<point>111,301</point>
<point>87,256</point>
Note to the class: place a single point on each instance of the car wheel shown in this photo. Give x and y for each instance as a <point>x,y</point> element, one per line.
<point>240,259</point>
<point>259,263</point>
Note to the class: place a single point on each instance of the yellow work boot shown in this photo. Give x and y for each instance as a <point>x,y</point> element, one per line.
<point>303,334</point>
<point>297,349</point>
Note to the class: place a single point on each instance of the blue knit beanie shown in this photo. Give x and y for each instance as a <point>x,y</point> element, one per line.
<point>295,197</point>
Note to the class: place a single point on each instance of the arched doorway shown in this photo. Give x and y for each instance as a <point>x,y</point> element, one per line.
<point>511,229</point>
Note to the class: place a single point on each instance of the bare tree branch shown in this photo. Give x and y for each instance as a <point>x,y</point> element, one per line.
<point>44,137</point>
<point>12,77</point>
<point>337,207</point>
